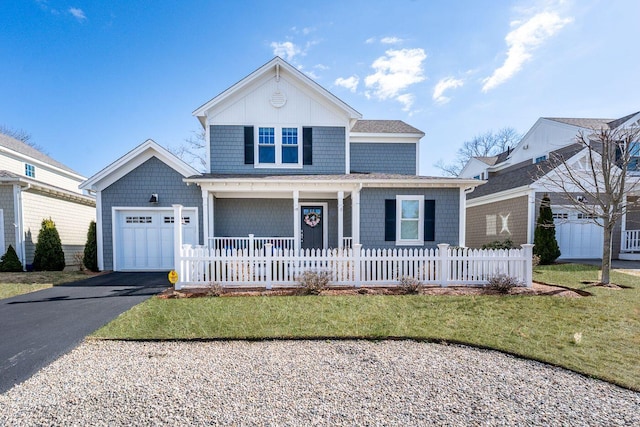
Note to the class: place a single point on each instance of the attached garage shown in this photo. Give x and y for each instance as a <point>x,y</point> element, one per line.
<point>143,237</point>
<point>578,236</point>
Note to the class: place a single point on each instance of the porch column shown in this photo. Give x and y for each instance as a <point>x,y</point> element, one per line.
<point>296,221</point>
<point>355,216</point>
<point>340,219</point>
<point>205,217</point>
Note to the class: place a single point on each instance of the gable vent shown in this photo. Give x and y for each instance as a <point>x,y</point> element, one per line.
<point>278,99</point>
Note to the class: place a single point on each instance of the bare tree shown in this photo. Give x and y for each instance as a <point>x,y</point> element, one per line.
<point>21,135</point>
<point>597,182</point>
<point>192,150</point>
<point>485,145</point>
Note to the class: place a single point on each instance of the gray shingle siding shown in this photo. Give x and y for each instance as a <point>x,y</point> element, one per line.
<point>6,204</point>
<point>384,158</point>
<point>372,224</point>
<point>135,189</point>
<point>227,152</point>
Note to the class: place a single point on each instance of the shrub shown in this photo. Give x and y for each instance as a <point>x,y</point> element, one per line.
<point>49,255</point>
<point>502,283</point>
<point>314,282</point>
<point>78,260</point>
<point>544,237</point>
<point>10,261</point>
<point>410,285</point>
<point>497,244</point>
<point>90,259</point>
<point>214,290</point>
<point>535,260</point>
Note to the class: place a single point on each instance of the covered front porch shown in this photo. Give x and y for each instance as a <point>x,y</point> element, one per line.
<point>630,230</point>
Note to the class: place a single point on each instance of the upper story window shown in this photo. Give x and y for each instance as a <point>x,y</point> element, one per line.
<point>29,170</point>
<point>634,157</point>
<point>279,146</point>
<point>540,159</point>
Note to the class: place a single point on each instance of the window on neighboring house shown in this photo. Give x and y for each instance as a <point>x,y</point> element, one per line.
<point>29,170</point>
<point>266,145</point>
<point>290,145</point>
<point>634,157</point>
<point>540,159</point>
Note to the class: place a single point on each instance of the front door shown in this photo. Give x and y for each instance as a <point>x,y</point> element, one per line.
<point>312,227</point>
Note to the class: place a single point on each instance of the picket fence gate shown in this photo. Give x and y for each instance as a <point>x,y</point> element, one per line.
<point>270,267</point>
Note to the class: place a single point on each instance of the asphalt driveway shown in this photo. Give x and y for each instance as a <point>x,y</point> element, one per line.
<point>39,327</point>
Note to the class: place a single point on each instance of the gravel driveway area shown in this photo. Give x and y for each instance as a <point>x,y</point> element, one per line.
<point>285,383</point>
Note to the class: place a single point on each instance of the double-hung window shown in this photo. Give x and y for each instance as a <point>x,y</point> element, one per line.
<point>279,147</point>
<point>410,220</point>
<point>634,157</point>
<point>29,170</point>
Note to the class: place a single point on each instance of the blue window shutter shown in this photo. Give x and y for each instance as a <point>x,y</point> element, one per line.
<point>307,146</point>
<point>248,145</point>
<point>429,220</point>
<point>390,220</point>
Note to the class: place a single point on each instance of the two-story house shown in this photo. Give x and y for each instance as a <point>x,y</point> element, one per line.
<point>507,206</point>
<point>33,186</point>
<point>288,163</point>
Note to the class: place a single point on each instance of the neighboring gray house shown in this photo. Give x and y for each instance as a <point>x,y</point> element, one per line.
<point>507,206</point>
<point>288,162</point>
<point>33,186</point>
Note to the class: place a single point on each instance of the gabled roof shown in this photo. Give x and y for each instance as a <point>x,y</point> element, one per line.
<point>274,66</point>
<point>384,126</point>
<point>581,122</point>
<point>26,150</point>
<point>132,160</point>
<point>618,122</point>
<point>488,160</point>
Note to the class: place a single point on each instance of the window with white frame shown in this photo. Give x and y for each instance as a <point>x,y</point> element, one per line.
<point>29,170</point>
<point>279,147</point>
<point>634,157</point>
<point>540,159</point>
<point>410,220</point>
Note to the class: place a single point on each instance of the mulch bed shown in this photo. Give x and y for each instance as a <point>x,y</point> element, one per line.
<point>537,289</point>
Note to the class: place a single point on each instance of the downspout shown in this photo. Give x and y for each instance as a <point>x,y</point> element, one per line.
<point>19,222</point>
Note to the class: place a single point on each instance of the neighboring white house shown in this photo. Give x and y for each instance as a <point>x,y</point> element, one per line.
<point>507,206</point>
<point>33,186</point>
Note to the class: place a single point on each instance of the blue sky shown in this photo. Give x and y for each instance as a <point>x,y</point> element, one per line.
<point>91,80</point>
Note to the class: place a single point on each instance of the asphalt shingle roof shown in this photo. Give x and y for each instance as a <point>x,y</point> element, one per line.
<point>582,122</point>
<point>383,126</point>
<point>27,150</point>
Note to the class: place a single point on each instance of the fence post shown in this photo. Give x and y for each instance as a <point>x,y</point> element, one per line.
<point>357,267</point>
<point>269,266</point>
<point>528,264</point>
<point>443,252</point>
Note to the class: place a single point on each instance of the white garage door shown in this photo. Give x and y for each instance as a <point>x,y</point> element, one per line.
<point>577,235</point>
<point>143,239</point>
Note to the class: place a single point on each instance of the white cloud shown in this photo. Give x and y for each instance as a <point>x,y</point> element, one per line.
<point>390,40</point>
<point>370,40</point>
<point>442,86</point>
<point>286,50</point>
<point>394,73</point>
<point>77,13</point>
<point>350,83</point>
<point>522,41</point>
<point>407,100</point>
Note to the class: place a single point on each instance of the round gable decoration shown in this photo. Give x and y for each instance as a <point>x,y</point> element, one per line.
<point>312,219</point>
<point>278,99</point>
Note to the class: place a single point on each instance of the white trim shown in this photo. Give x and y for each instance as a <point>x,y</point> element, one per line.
<point>26,158</point>
<point>205,216</point>
<point>409,242</point>
<point>116,209</point>
<point>2,248</point>
<point>340,219</point>
<point>325,225</point>
<point>18,216</point>
<point>355,216</point>
<point>99,235</point>
<point>132,160</point>
<point>277,146</point>
<point>462,232</point>
<point>531,215</point>
<point>498,197</point>
<point>418,158</point>
<point>296,220</point>
<point>347,151</point>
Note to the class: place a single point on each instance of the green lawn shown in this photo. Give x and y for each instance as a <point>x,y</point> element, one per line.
<point>12,284</point>
<point>536,327</point>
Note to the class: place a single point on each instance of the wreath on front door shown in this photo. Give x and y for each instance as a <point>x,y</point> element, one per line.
<point>312,219</point>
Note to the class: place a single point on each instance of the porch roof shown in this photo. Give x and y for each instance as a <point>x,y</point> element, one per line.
<point>353,179</point>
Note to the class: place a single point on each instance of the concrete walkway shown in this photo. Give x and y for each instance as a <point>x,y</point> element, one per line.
<point>39,327</point>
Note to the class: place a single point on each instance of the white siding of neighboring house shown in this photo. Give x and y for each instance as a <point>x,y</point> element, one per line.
<point>545,136</point>
<point>44,173</point>
<point>71,219</point>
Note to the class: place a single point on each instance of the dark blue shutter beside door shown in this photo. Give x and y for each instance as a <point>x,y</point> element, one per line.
<point>429,220</point>
<point>390,220</point>
<point>248,145</point>
<point>307,146</point>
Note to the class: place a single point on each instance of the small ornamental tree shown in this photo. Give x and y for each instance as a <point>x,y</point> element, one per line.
<point>544,238</point>
<point>49,255</point>
<point>10,261</point>
<point>90,259</point>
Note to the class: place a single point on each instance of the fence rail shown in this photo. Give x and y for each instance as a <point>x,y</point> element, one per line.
<point>272,266</point>
<point>630,241</point>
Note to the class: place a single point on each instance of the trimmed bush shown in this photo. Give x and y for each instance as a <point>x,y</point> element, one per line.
<point>544,238</point>
<point>497,244</point>
<point>90,259</point>
<point>409,285</point>
<point>49,255</point>
<point>314,282</point>
<point>10,261</point>
<point>502,283</point>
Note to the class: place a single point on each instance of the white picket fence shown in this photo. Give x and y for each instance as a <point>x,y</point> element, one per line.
<point>270,267</point>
